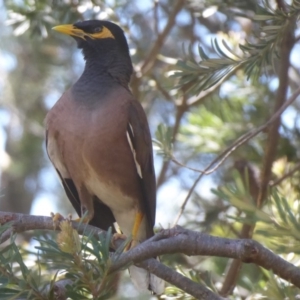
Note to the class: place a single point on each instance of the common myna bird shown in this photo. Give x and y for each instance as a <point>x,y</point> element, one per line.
<point>98,140</point>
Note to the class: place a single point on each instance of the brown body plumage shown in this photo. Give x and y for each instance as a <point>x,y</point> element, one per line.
<point>98,140</point>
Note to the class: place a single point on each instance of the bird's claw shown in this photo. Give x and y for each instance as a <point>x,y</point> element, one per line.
<point>56,219</point>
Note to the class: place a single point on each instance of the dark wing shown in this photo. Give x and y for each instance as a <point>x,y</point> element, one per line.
<point>139,138</point>
<point>103,217</point>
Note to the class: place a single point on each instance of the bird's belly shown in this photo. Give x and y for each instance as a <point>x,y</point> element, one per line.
<point>109,193</point>
<point>122,206</point>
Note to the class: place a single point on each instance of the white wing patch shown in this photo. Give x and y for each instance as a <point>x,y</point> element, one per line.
<point>129,134</point>
<point>55,157</point>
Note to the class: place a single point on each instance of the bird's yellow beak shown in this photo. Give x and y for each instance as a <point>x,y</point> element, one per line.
<point>69,29</point>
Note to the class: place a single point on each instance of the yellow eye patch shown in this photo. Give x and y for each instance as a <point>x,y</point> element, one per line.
<point>103,34</point>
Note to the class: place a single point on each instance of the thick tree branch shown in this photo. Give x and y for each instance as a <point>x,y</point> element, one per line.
<point>176,240</point>
<point>22,223</point>
<point>153,266</point>
<point>195,289</point>
<point>180,240</point>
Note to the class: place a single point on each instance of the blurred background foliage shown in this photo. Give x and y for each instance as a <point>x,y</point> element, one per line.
<point>206,72</point>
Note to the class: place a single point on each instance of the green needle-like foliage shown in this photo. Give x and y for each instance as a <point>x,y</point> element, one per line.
<point>83,261</point>
<point>257,57</point>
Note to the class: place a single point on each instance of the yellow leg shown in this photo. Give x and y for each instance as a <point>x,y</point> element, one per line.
<point>136,226</point>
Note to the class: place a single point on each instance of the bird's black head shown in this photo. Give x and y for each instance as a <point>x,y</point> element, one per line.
<point>103,43</point>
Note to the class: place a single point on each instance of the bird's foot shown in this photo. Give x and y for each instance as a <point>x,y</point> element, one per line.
<point>57,218</point>
<point>120,236</point>
<point>84,220</point>
<point>133,244</point>
<point>130,244</point>
<point>117,236</point>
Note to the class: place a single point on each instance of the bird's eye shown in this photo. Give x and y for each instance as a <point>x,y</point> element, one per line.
<point>97,29</point>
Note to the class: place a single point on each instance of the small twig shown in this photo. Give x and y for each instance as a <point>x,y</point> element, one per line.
<point>239,142</point>
<point>161,89</point>
<point>6,235</point>
<point>155,11</point>
<point>281,5</point>
<point>196,100</point>
<point>148,62</point>
<point>180,111</point>
<point>184,203</point>
<point>246,137</point>
<point>285,176</point>
<point>185,105</point>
